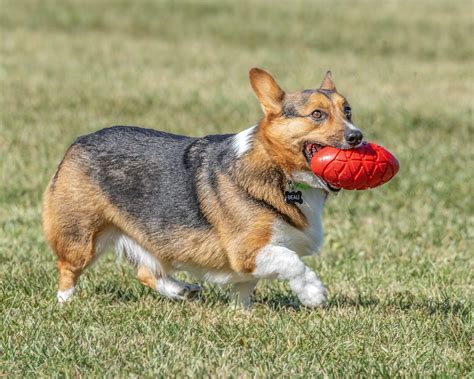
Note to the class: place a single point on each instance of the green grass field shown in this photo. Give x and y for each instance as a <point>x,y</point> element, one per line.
<point>397,260</point>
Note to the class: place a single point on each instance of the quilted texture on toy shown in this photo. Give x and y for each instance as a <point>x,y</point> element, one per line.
<point>367,166</point>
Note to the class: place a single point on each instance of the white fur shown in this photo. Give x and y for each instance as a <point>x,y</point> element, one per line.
<point>63,296</point>
<point>278,262</point>
<point>243,141</point>
<point>216,277</point>
<point>137,255</point>
<point>126,247</point>
<point>105,238</point>
<point>312,208</point>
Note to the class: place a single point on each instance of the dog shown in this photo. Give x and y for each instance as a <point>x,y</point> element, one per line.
<point>229,209</point>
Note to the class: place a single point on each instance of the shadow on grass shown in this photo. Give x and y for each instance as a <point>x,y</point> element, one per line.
<point>279,301</point>
<point>128,294</point>
<point>123,294</point>
<point>401,301</point>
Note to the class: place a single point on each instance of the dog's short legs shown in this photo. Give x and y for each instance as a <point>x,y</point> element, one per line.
<point>242,293</point>
<point>282,263</point>
<point>168,286</point>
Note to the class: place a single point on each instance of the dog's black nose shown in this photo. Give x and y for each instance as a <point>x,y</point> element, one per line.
<point>353,137</point>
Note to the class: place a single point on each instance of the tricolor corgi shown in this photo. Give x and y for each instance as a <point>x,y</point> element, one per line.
<point>222,207</point>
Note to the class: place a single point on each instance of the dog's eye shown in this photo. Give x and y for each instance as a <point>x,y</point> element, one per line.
<point>318,115</point>
<point>348,112</point>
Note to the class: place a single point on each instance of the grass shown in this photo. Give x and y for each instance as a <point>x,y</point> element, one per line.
<point>397,260</point>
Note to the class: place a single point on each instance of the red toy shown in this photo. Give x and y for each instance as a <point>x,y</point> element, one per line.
<point>368,166</point>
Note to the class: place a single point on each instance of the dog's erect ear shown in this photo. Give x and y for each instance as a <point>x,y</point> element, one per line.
<point>268,92</point>
<point>327,82</point>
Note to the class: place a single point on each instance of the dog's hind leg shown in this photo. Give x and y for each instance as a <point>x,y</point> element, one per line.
<point>73,220</point>
<point>71,234</point>
<point>75,252</point>
<point>167,285</point>
<point>153,272</point>
<point>74,255</point>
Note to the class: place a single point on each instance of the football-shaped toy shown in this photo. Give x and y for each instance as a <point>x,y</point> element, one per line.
<point>367,166</point>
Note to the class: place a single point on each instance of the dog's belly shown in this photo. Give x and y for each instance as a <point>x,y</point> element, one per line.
<point>212,276</point>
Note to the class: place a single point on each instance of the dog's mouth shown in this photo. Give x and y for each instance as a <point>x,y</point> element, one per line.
<point>309,149</point>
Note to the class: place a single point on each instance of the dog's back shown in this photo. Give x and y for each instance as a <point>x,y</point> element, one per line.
<point>150,175</point>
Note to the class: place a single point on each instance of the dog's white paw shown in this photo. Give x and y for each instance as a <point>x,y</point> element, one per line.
<point>63,296</point>
<point>309,289</point>
<point>313,295</point>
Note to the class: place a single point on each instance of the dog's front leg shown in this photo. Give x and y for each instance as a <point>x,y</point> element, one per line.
<point>242,293</point>
<point>282,263</point>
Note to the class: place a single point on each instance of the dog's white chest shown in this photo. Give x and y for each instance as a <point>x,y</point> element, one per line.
<point>310,240</point>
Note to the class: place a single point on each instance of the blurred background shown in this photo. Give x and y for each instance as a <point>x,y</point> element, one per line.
<point>72,67</point>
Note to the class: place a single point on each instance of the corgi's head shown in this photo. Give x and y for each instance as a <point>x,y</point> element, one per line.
<point>296,125</point>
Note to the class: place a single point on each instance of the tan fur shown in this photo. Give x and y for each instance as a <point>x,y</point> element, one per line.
<point>266,89</point>
<point>241,227</point>
<point>146,277</point>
